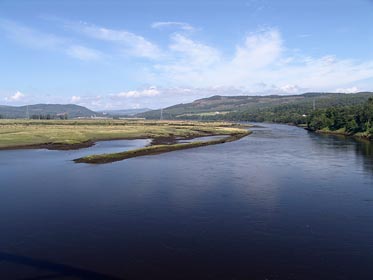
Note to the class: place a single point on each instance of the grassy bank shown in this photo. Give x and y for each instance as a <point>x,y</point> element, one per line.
<point>156,149</point>
<point>74,134</point>
<point>343,132</point>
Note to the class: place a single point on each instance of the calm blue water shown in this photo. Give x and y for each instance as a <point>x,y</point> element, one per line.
<point>282,203</point>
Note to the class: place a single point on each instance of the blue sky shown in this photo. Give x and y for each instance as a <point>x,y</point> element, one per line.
<point>132,54</point>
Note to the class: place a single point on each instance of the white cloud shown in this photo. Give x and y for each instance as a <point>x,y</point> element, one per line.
<point>91,102</point>
<point>259,50</point>
<point>76,99</point>
<point>205,66</point>
<point>123,100</point>
<point>195,53</point>
<point>291,89</point>
<point>182,25</point>
<point>151,91</point>
<point>131,43</point>
<point>262,58</point>
<point>189,62</point>
<point>326,73</point>
<point>152,97</point>
<point>260,64</point>
<point>18,96</point>
<point>348,90</point>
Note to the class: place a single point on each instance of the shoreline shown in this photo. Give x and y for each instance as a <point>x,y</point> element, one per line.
<point>66,147</point>
<point>161,140</point>
<point>344,134</point>
<point>156,149</point>
<point>56,135</point>
<point>53,146</point>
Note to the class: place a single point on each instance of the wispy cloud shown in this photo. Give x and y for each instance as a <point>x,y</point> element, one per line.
<point>195,52</point>
<point>130,43</point>
<point>31,37</point>
<point>173,24</point>
<point>36,39</point>
<point>188,60</point>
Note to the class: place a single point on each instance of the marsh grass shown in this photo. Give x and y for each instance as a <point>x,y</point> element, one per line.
<point>156,149</point>
<point>66,134</point>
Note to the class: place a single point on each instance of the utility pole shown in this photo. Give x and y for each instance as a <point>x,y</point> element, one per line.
<point>161,114</point>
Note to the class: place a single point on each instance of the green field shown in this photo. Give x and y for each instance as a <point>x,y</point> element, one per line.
<point>65,134</point>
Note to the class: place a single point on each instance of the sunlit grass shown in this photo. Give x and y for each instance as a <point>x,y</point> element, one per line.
<point>20,133</point>
<point>157,149</point>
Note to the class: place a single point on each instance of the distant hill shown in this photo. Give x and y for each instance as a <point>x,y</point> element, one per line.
<point>126,112</point>
<point>51,110</point>
<point>273,108</point>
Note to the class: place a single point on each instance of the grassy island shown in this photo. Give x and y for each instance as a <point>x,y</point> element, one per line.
<point>75,134</point>
<point>156,149</point>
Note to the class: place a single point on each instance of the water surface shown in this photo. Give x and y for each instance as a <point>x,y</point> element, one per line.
<point>281,203</point>
<point>203,138</point>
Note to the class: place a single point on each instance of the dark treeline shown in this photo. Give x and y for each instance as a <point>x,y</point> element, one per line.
<point>272,108</point>
<point>295,112</point>
<point>347,119</point>
<point>49,117</point>
<point>288,113</point>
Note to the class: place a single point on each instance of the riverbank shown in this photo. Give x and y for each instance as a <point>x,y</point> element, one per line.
<point>156,149</point>
<point>76,134</point>
<point>342,132</point>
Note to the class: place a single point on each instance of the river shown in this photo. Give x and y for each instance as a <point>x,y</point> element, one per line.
<point>282,203</point>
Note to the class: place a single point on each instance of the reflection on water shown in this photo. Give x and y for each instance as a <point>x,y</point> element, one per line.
<point>360,149</point>
<point>281,203</point>
<point>204,138</point>
<point>108,147</point>
<point>364,149</point>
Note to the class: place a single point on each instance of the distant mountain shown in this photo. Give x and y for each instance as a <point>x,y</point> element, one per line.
<point>51,110</point>
<point>257,108</point>
<point>125,112</point>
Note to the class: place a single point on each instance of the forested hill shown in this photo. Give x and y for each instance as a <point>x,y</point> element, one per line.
<point>273,108</point>
<point>350,120</point>
<point>45,111</point>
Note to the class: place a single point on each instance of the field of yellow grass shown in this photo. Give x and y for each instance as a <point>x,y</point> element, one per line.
<point>72,133</point>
